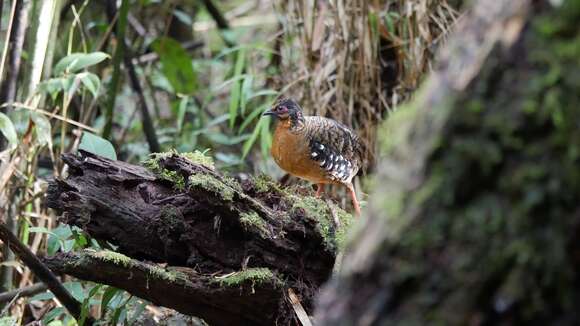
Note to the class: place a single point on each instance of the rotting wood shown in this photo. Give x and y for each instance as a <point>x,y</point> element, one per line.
<point>183,212</point>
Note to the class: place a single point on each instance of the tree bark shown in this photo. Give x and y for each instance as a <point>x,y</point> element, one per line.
<point>476,215</point>
<point>233,249</point>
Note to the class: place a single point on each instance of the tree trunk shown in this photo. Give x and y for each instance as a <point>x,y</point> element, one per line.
<point>476,215</point>
<point>233,250</point>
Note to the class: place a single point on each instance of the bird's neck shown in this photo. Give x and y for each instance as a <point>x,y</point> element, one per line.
<point>295,122</point>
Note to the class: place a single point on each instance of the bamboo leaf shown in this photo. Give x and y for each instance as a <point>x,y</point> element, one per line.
<point>8,130</point>
<point>77,61</point>
<point>236,87</point>
<point>91,82</point>
<point>97,145</point>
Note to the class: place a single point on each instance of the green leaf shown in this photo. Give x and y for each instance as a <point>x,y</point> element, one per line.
<point>107,296</point>
<point>253,115</point>
<point>181,112</point>
<point>137,311</point>
<point>42,296</point>
<point>8,130</point>
<point>97,145</point>
<point>86,303</point>
<point>56,323</point>
<point>77,61</point>
<point>52,87</point>
<point>40,229</point>
<point>176,65</point>
<point>263,123</point>
<point>223,139</point>
<point>53,314</point>
<point>43,130</point>
<point>76,290</point>
<point>91,82</point>
<point>265,137</point>
<point>8,321</point>
<point>246,92</point>
<point>264,92</point>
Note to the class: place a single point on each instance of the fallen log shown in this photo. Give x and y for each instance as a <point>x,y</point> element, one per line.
<point>232,249</point>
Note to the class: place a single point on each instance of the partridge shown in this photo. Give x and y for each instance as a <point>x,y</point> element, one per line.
<point>318,149</point>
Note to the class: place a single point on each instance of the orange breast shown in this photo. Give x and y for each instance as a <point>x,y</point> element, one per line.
<point>292,153</point>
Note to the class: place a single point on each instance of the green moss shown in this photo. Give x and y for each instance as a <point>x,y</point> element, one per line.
<point>252,221</point>
<point>212,184</point>
<point>163,274</point>
<point>489,201</point>
<point>126,262</point>
<point>199,158</point>
<point>153,165</point>
<point>318,210</point>
<point>264,184</point>
<point>255,276</point>
<point>113,257</point>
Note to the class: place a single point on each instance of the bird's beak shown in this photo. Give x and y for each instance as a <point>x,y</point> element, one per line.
<point>268,112</point>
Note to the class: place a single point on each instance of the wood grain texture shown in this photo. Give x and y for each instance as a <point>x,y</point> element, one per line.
<point>214,229</point>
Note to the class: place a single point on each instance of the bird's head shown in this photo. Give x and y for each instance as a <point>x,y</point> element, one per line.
<point>286,110</point>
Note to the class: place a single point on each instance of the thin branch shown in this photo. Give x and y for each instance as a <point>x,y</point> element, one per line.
<point>216,14</point>
<point>248,303</point>
<point>117,58</point>
<point>40,270</point>
<point>23,292</point>
<point>148,127</point>
<point>220,20</point>
<point>15,45</point>
<point>124,50</point>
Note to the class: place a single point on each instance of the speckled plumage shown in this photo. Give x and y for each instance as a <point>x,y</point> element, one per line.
<point>334,147</point>
<point>314,148</point>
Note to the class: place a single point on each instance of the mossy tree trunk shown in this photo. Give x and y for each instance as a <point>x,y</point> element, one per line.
<point>476,215</point>
<point>232,250</point>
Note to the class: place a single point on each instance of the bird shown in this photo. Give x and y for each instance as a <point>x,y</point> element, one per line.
<point>318,149</point>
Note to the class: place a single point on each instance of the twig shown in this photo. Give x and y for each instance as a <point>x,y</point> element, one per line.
<point>335,218</point>
<point>16,43</point>
<point>40,270</point>
<point>121,25</point>
<point>219,19</point>
<point>148,127</point>
<point>215,13</point>
<point>23,292</point>
<point>298,309</point>
<point>50,114</point>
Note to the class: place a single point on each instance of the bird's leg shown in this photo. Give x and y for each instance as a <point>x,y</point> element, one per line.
<point>319,189</point>
<point>354,200</point>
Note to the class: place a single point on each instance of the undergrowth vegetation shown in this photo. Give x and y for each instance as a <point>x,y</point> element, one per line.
<point>153,76</point>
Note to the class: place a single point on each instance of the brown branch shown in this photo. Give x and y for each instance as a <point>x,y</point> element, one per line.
<point>216,14</point>
<point>41,271</point>
<point>23,292</point>
<point>250,302</point>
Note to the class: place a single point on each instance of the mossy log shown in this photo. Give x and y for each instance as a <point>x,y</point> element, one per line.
<point>231,249</point>
<point>475,219</point>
